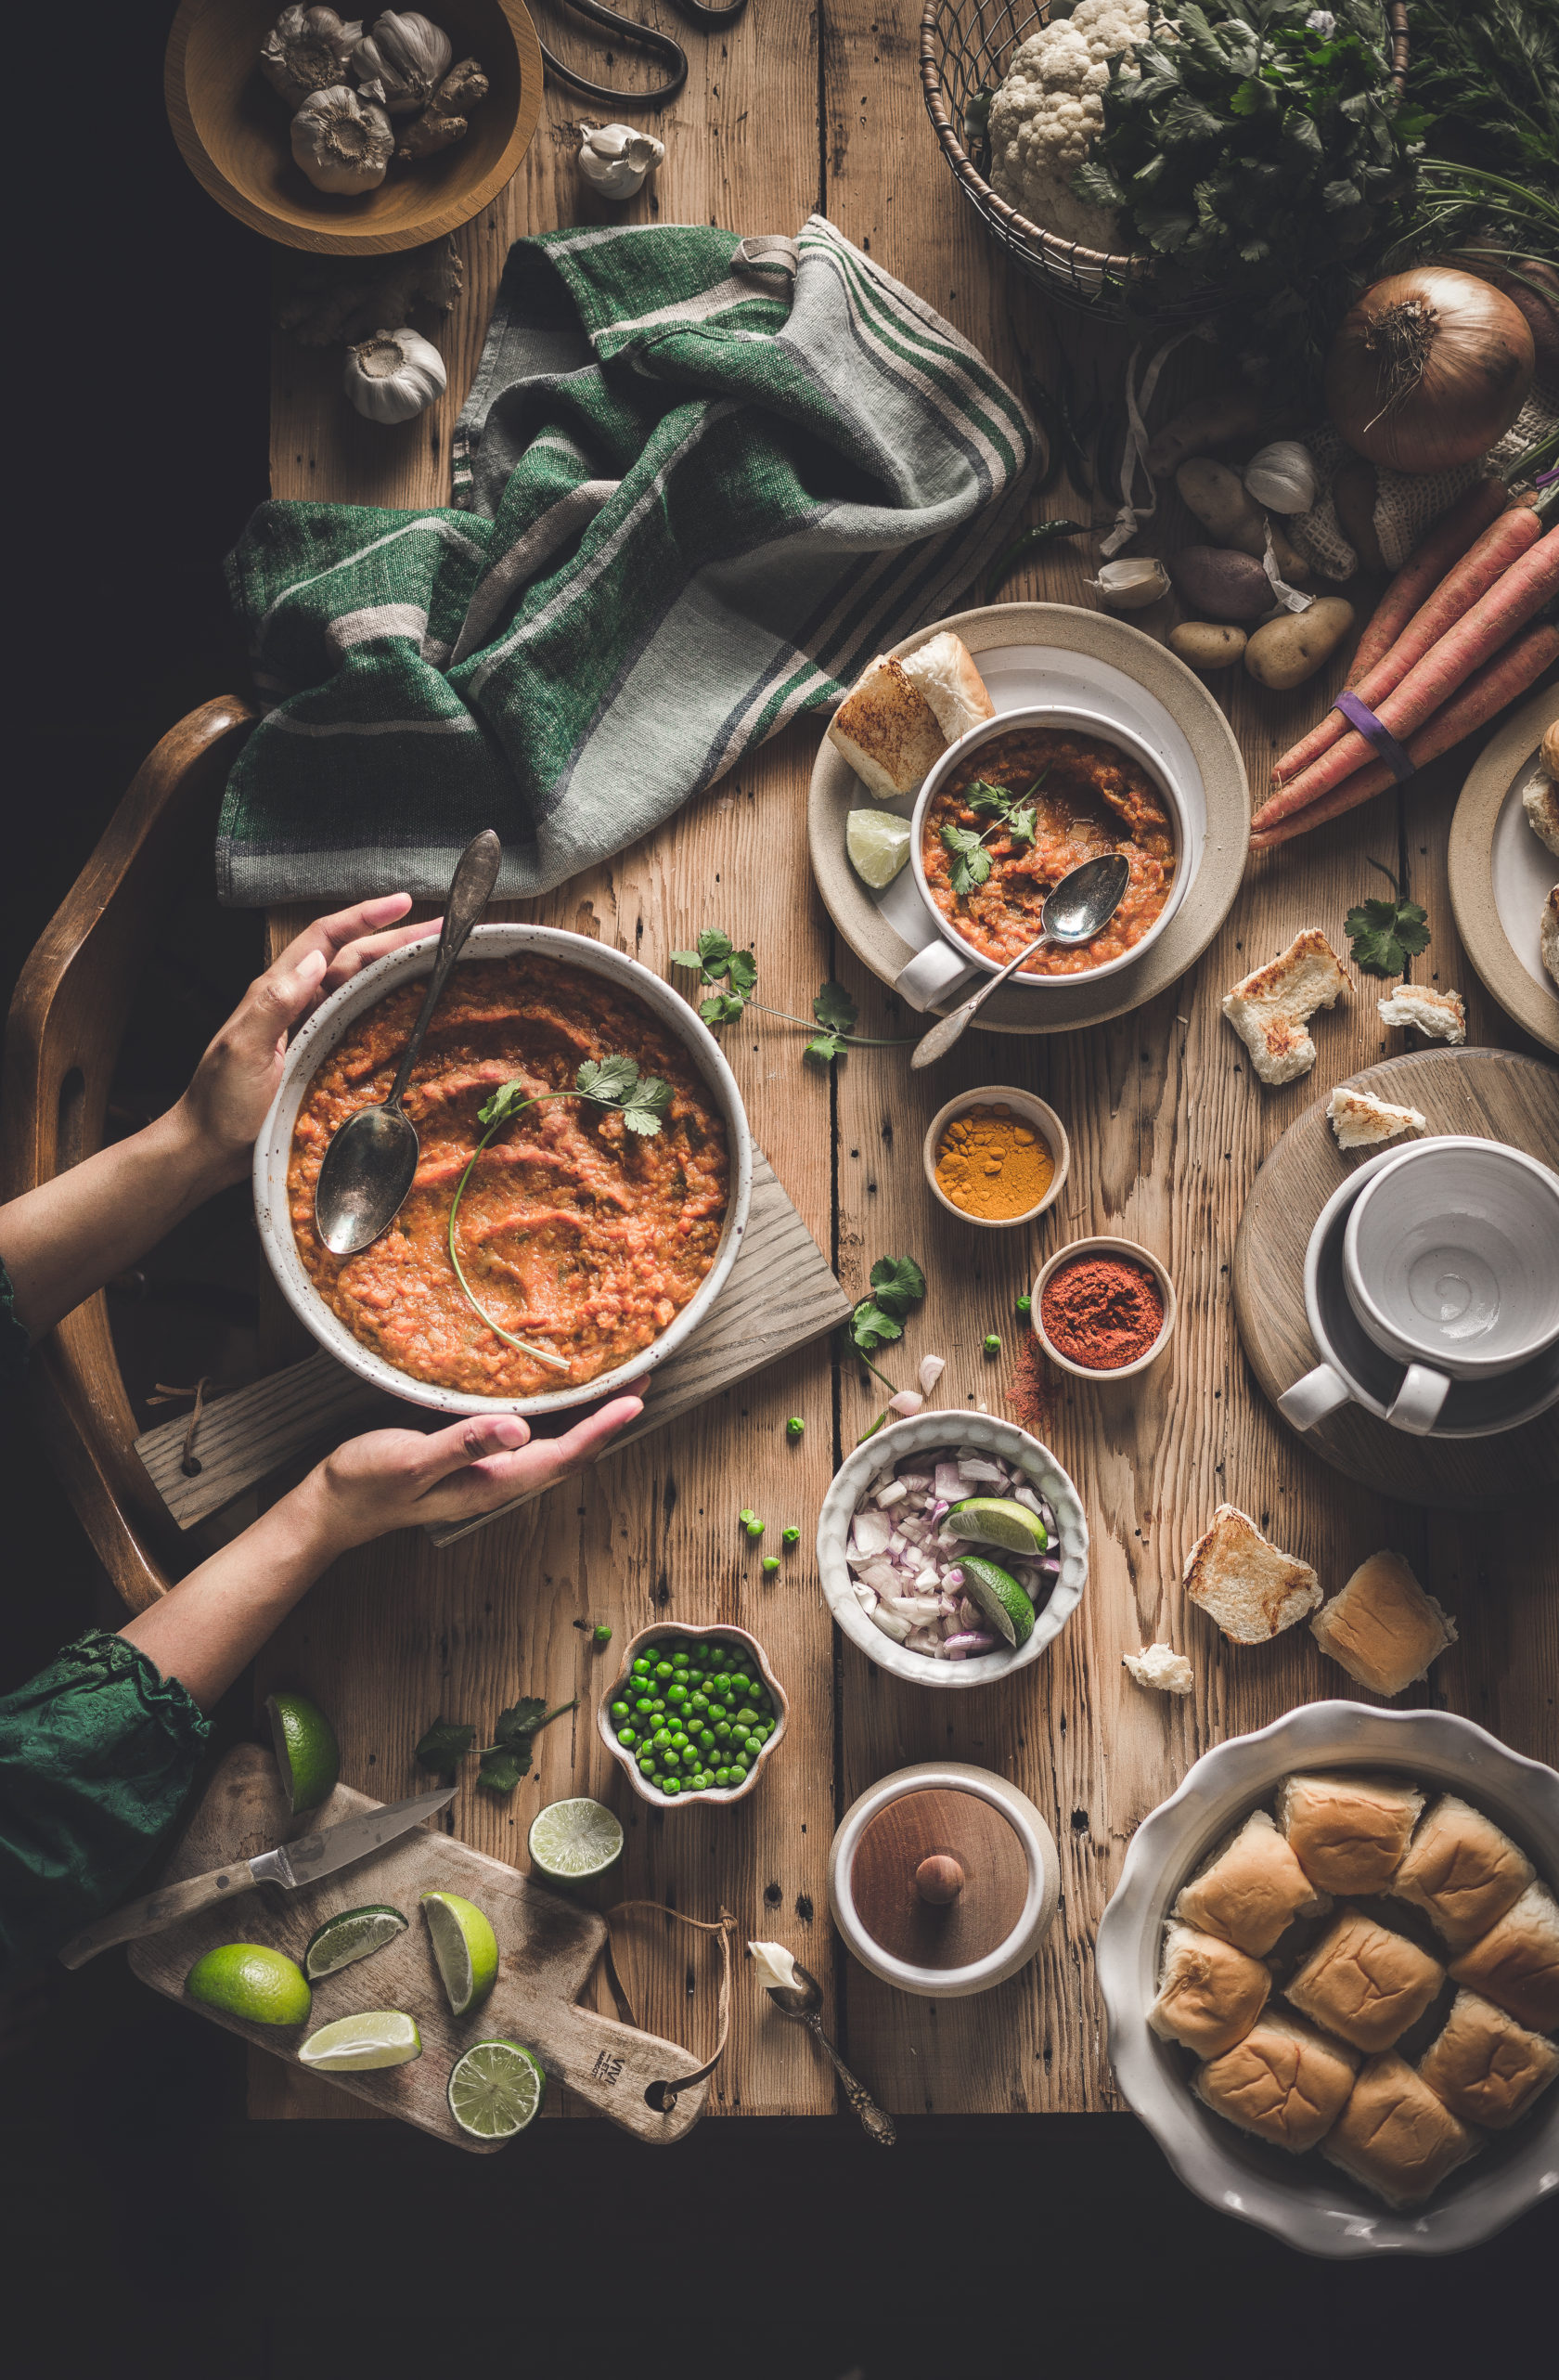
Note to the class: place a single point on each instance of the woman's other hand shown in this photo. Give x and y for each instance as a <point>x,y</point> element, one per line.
<point>398,1479</point>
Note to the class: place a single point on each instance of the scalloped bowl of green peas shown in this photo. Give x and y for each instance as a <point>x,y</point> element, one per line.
<point>694,1715</point>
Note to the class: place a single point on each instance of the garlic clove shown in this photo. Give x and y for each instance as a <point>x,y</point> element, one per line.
<point>1282,478</point>
<point>307,49</point>
<point>1130,586</point>
<point>393,375</point>
<point>340,145</point>
<point>617,160</point>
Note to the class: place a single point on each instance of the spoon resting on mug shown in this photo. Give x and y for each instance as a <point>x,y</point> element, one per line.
<point>1086,899</point>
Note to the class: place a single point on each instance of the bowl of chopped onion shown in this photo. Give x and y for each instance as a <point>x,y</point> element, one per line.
<point>893,1565</point>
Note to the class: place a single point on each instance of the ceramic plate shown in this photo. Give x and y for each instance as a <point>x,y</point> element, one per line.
<point>1057,652</point>
<point>1500,875</point>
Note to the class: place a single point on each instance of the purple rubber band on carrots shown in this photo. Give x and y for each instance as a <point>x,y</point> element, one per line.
<point>1361,716</point>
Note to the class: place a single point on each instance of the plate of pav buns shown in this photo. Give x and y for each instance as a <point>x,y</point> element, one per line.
<point>1331,1970</point>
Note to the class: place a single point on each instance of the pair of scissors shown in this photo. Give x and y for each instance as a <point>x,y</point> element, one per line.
<point>659,44</point>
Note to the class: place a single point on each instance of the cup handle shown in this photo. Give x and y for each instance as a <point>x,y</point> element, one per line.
<point>932,973</point>
<point>1311,1399</point>
<point>1419,1400</point>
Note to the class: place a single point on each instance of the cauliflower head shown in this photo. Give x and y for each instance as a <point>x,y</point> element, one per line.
<point>1049,107</point>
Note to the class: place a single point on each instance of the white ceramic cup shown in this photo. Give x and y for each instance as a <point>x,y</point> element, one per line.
<point>1450,1263</point>
<point>950,965</point>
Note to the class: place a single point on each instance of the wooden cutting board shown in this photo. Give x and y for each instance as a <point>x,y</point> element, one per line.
<point>547,1946</point>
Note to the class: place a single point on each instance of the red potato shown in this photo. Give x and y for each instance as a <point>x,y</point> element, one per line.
<point>1223,585</point>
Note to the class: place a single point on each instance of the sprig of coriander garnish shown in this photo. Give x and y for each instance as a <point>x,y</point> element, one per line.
<point>507,1758</point>
<point>971,861</point>
<point>897,1284</point>
<point>732,976</point>
<point>641,1099</point>
<point>1384,935</point>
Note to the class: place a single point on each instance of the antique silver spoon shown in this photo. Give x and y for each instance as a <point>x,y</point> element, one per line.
<point>369,1164</point>
<point>801,2005</point>
<point>1086,899</point>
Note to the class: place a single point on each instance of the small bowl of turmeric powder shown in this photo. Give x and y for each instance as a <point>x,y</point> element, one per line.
<point>997,1157</point>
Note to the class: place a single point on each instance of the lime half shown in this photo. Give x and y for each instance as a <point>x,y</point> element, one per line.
<point>999,1597</point>
<point>245,1979</point>
<point>464,1946</point>
<point>351,1934</point>
<point>878,843</point>
<point>355,2045</point>
<point>306,1750</point>
<point>495,2089</point>
<point>569,1840</point>
<point>1000,1521</point>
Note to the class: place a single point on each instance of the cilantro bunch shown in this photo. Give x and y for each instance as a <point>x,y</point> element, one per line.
<point>731,975</point>
<point>506,1759</point>
<point>897,1285</point>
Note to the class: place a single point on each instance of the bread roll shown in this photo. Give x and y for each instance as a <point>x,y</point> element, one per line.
<point>1348,1831</point>
<point>943,670</point>
<point>1461,1870</point>
<point>1209,1994</point>
<point>1382,1629</point>
<point>1364,1982</point>
<point>1517,1962</point>
<point>1282,2082</point>
<point>1486,2067</point>
<point>1396,2136</point>
<point>1251,1890</point>
<point>887,732</point>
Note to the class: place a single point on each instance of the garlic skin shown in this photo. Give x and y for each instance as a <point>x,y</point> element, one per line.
<point>404,59</point>
<point>616,160</point>
<point>393,375</point>
<point>342,144</point>
<point>775,1965</point>
<point>1282,478</point>
<point>306,50</point>
<point>1130,586</point>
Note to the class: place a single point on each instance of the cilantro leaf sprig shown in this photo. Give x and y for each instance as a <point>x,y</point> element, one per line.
<point>1385,934</point>
<point>506,1758</point>
<point>447,1742</point>
<point>897,1285</point>
<point>732,977</point>
<point>971,860</point>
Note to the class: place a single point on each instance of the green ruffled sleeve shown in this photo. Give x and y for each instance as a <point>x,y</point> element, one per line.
<point>96,1753</point>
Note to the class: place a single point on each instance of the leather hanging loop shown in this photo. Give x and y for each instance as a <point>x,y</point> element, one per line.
<point>670,2090</point>
<point>660,45</point>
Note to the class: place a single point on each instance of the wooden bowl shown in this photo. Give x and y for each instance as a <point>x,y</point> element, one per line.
<point>662,1631</point>
<point>234,131</point>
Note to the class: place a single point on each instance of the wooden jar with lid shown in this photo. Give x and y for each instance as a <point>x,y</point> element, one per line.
<point>944,1879</point>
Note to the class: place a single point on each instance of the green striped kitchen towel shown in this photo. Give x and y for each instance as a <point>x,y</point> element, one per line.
<point>699,481</point>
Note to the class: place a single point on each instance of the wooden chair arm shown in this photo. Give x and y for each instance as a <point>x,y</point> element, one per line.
<point>62,1040</point>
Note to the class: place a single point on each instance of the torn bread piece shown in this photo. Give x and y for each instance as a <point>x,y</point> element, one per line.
<point>887,732</point>
<point>1539,799</point>
<point>1251,1890</point>
<point>1269,1009</point>
<point>1251,1589</point>
<point>1516,1964</point>
<point>1209,1994</point>
<point>1548,938</point>
<point>1348,1831</point>
<point>1396,2136</point>
<point>1487,2068</point>
<point>1359,1119</point>
<point>943,670</point>
<point>1284,2082</point>
<point>1383,1628</point>
<point>1440,1014</point>
<point>1161,1666</point>
<point>1365,1983</point>
<point>1463,1871</point>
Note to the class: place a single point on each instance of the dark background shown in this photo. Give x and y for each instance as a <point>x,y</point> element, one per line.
<point>143,2218</point>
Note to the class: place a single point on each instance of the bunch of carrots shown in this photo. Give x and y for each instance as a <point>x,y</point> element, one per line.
<point>1456,637</point>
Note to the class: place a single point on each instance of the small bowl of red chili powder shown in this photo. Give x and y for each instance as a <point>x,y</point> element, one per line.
<point>1103,1309</point>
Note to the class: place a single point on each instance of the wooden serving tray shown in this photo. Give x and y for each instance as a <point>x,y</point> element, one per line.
<point>547,1946</point>
<point>780,1294</point>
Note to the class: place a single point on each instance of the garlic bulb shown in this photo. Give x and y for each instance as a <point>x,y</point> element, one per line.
<point>342,144</point>
<point>1130,586</point>
<point>393,375</point>
<point>1282,477</point>
<point>306,50</point>
<point>403,61</point>
<point>616,160</point>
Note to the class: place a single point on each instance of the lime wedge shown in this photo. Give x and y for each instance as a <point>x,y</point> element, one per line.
<point>306,1750</point>
<point>999,1597</point>
<point>1000,1521</point>
<point>245,1979</point>
<point>464,1946</point>
<point>355,2045</point>
<point>877,843</point>
<point>495,2089</point>
<point>351,1934</point>
<point>569,1840</point>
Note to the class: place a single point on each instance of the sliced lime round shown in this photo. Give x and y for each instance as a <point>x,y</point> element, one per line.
<point>1000,1521</point>
<point>355,2045</point>
<point>247,1980</point>
<point>495,2089</point>
<point>878,845</point>
<point>571,1840</point>
<point>999,1597</point>
<point>306,1751</point>
<point>349,1935</point>
<point>464,1946</point>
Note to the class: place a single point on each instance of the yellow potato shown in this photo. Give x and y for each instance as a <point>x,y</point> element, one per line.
<point>1231,516</point>
<point>1207,644</point>
<point>1286,652</point>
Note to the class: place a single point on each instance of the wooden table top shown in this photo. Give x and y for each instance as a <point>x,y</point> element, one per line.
<point>1169,1128</point>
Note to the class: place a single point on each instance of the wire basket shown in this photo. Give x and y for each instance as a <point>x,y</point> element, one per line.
<point>966,46</point>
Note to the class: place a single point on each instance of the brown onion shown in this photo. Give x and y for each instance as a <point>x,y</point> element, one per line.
<point>1532,288</point>
<point>1428,369</point>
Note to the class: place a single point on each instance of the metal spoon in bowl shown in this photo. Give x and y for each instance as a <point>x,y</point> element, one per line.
<point>801,2004</point>
<point>1086,899</point>
<point>369,1164</point>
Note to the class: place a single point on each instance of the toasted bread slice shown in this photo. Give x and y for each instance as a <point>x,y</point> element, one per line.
<point>887,732</point>
<point>1549,936</point>
<point>943,670</point>
<point>1269,1009</point>
<point>1539,799</point>
<point>1441,1014</point>
<point>1359,1119</point>
<point>1251,1589</point>
<point>1383,1628</point>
